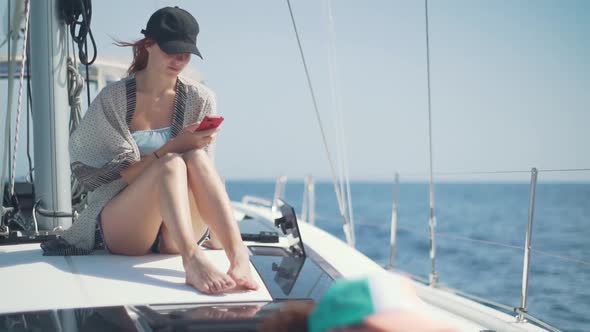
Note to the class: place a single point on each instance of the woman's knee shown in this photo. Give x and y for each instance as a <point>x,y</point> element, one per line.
<point>172,163</point>
<point>197,154</point>
<point>196,158</point>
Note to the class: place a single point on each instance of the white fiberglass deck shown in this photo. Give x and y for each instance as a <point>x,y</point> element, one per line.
<point>35,282</point>
<point>461,313</point>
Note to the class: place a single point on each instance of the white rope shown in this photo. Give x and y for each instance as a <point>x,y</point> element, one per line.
<point>20,95</point>
<point>75,87</point>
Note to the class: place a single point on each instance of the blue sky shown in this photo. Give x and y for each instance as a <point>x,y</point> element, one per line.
<point>510,84</point>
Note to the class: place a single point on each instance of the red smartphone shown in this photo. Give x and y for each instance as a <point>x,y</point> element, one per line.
<point>210,122</point>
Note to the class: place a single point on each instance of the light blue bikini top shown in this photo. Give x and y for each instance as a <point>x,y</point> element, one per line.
<point>149,141</point>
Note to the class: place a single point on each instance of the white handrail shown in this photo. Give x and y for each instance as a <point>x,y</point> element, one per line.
<point>257,200</point>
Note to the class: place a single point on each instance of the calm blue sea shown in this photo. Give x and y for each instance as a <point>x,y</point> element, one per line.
<point>559,289</point>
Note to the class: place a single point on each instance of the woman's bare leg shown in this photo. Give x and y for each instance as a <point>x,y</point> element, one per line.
<point>167,244</point>
<point>161,192</point>
<point>214,205</point>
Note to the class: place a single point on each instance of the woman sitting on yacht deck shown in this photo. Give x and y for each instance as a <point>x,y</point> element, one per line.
<point>151,181</point>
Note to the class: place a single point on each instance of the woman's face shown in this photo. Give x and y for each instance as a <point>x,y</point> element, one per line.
<point>167,64</point>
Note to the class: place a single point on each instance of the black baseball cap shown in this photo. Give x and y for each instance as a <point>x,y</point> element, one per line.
<point>174,29</point>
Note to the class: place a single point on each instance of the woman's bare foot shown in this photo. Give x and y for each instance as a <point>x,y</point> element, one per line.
<point>203,276</point>
<point>239,271</point>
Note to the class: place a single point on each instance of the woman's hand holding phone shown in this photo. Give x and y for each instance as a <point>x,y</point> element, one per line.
<point>189,139</point>
<point>210,121</point>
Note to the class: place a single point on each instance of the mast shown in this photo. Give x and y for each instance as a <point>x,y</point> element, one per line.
<point>50,113</point>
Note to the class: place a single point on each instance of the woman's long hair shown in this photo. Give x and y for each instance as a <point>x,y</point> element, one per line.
<point>140,53</point>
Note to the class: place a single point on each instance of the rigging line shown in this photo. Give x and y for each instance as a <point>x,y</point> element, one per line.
<point>465,173</point>
<point>337,98</point>
<point>20,94</point>
<point>495,243</point>
<point>487,242</point>
<point>334,95</point>
<point>344,155</point>
<point>466,239</point>
<point>82,10</point>
<point>566,258</point>
<point>483,172</point>
<point>446,235</point>
<point>29,114</point>
<point>6,145</point>
<point>496,172</point>
<point>7,30</point>
<point>318,118</point>
<point>479,299</point>
<point>565,170</point>
<point>412,231</point>
<point>87,74</point>
<point>432,221</point>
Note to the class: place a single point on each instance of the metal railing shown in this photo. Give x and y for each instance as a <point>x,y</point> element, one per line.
<point>308,202</point>
<point>280,186</point>
<point>279,194</point>
<point>521,311</point>
<point>522,315</point>
<point>393,229</point>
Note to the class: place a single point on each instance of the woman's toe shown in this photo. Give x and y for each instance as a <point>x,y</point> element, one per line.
<point>206,289</point>
<point>215,287</point>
